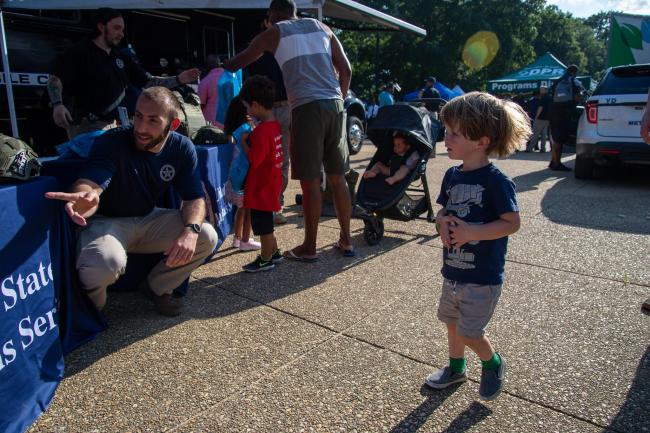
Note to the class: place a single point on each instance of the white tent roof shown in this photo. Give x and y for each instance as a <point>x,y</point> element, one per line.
<point>340,9</point>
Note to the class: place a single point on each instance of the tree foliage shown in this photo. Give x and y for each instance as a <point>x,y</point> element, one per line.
<point>525,29</point>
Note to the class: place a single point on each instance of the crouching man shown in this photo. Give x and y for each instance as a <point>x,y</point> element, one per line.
<point>114,200</point>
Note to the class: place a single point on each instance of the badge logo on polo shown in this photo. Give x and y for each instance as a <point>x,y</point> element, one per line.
<point>120,63</point>
<point>167,172</point>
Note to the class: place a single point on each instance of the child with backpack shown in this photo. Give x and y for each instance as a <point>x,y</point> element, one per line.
<point>238,127</point>
<point>264,179</point>
<point>479,213</point>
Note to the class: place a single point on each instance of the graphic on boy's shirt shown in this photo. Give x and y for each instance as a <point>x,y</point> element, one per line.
<point>462,196</point>
<point>461,199</point>
<point>278,150</point>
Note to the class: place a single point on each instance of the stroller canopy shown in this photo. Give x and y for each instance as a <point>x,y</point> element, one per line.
<point>414,121</point>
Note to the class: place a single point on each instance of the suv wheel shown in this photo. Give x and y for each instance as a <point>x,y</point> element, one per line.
<point>584,168</point>
<point>355,134</point>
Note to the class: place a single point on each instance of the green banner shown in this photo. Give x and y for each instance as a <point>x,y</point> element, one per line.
<point>629,42</point>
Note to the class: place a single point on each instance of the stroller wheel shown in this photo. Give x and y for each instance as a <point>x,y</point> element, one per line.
<point>373,231</point>
<point>298,199</point>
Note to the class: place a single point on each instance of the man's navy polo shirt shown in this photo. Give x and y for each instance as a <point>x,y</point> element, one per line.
<point>133,180</point>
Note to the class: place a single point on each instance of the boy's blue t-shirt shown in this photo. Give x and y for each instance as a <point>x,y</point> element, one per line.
<point>478,197</point>
<point>134,180</point>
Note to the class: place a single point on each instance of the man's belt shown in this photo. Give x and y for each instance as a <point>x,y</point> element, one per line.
<point>107,114</point>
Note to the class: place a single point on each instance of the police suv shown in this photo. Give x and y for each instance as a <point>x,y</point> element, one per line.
<point>609,129</point>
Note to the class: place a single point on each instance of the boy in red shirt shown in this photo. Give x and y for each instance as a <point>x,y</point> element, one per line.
<point>264,178</point>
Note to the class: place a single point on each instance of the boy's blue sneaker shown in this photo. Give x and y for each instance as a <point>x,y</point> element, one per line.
<point>277,256</point>
<point>445,377</point>
<point>492,381</point>
<point>259,265</point>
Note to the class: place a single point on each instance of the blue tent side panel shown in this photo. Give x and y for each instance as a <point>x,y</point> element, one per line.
<point>411,96</point>
<point>457,91</point>
<point>445,92</point>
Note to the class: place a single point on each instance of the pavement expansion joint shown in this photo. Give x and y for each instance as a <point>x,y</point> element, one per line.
<point>242,391</point>
<point>550,268</point>
<point>582,274</point>
<point>343,333</point>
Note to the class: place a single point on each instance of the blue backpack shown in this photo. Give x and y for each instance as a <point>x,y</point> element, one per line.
<point>239,166</point>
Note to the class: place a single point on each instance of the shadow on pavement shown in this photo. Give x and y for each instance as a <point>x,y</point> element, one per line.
<point>131,317</point>
<point>635,411</point>
<point>471,416</point>
<point>614,201</point>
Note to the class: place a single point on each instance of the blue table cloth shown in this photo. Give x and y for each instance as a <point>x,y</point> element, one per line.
<point>36,297</point>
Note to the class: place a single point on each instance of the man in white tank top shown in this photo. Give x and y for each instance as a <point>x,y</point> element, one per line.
<point>316,75</point>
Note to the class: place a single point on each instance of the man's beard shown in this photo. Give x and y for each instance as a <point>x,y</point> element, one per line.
<point>111,42</point>
<point>156,141</point>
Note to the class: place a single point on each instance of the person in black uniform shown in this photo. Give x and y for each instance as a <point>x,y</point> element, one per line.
<point>96,77</point>
<point>430,92</point>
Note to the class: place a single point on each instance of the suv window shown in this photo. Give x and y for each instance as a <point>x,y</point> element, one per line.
<point>625,81</point>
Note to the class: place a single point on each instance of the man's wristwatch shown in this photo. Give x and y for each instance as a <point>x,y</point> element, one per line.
<point>196,228</point>
<point>55,104</point>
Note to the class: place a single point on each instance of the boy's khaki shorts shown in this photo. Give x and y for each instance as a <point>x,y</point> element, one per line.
<point>469,306</point>
<point>318,139</point>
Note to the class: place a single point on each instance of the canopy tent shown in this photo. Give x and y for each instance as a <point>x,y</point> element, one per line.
<point>338,9</point>
<point>543,71</point>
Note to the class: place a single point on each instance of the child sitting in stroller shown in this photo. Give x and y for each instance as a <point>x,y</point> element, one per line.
<point>399,164</point>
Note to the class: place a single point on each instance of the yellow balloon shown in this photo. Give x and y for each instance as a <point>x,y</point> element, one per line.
<point>480,49</point>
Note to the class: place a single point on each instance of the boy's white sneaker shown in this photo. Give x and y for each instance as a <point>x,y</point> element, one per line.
<point>236,242</point>
<point>251,245</point>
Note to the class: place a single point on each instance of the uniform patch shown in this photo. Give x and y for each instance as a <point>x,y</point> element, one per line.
<point>167,172</point>
<point>120,63</point>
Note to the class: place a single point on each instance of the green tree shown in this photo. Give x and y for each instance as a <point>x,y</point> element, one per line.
<point>525,29</point>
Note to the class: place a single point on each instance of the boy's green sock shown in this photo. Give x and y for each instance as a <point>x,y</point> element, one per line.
<point>457,365</point>
<point>493,363</point>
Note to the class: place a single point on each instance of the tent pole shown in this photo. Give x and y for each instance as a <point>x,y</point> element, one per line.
<point>320,13</point>
<point>7,77</point>
<point>232,32</point>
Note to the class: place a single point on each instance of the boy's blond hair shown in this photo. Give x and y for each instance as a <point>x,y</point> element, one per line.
<point>478,114</point>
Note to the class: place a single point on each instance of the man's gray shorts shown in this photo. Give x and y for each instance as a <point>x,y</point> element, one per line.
<point>468,306</point>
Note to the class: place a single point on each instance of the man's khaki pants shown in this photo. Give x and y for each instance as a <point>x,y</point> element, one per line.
<point>103,245</point>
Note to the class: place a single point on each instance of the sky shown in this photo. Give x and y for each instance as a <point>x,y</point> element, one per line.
<point>585,8</point>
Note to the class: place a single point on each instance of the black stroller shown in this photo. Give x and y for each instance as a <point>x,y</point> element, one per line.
<point>379,200</point>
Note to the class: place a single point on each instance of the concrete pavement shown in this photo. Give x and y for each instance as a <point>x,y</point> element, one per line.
<point>344,344</point>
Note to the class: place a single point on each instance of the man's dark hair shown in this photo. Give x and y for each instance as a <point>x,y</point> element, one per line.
<point>258,89</point>
<point>572,69</point>
<point>164,96</point>
<point>103,16</point>
<point>285,7</point>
